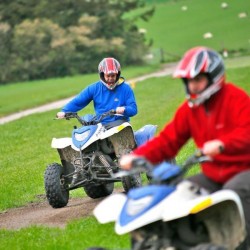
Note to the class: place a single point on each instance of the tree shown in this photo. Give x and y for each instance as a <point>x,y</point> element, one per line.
<point>5,48</point>
<point>40,49</point>
<point>55,38</point>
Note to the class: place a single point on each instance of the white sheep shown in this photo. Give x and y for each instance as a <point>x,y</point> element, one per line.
<point>224,5</point>
<point>184,8</point>
<point>207,35</point>
<point>242,15</point>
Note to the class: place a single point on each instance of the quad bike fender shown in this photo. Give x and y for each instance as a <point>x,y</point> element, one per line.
<point>152,215</point>
<point>109,209</point>
<point>182,203</point>
<point>115,130</point>
<point>60,143</point>
<point>94,136</point>
<point>221,212</point>
<point>142,207</point>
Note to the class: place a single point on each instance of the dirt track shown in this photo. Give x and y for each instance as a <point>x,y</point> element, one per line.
<point>43,214</point>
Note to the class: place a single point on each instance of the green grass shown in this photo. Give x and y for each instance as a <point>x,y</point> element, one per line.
<point>25,145</point>
<point>77,235</point>
<point>20,96</point>
<point>175,30</point>
<point>171,29</point>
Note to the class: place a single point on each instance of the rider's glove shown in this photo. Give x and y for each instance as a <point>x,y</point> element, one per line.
<point>60,115</point>
<point>120,110</point>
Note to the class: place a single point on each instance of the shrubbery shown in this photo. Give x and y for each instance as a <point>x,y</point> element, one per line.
<point>56,39</point>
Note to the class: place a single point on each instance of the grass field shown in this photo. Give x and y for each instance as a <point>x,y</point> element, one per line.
<point>20,96</point>
<point>78,235</point>
<point>174,30</point>
<point>25,144</point>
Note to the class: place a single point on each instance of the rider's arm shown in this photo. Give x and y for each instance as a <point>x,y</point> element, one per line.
<point>167,144</point>
<point>130,107</point>
<point>80,101</point>
<point>238,140</point>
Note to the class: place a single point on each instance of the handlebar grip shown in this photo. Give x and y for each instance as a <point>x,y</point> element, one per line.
<point>141,163</point>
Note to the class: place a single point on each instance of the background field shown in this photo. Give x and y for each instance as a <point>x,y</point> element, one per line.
<point>25,144</point>
<point>174,30</point>
<point>20,96</point>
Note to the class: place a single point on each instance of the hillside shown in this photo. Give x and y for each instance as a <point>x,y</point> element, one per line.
<point>178,25</point>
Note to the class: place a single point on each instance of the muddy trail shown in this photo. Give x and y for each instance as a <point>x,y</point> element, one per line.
<point>41,213</point>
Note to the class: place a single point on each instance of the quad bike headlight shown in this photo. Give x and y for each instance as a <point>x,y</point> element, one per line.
<point>136,206</point>
<point>82,136</point>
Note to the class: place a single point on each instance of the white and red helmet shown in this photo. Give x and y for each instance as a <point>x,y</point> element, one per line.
<point>201,60</point>
<point>109,66</point>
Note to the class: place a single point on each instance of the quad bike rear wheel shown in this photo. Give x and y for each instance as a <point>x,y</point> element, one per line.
<point>55,186</point>
<point>98,191</point>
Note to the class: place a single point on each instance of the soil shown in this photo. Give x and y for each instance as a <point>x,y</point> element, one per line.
<point>41,213</point>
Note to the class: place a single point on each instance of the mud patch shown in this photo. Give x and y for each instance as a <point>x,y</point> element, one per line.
<point>42,213</point>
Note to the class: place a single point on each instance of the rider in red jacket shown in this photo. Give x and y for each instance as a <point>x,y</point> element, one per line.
<point>225,117</point>
<point>217,116</point>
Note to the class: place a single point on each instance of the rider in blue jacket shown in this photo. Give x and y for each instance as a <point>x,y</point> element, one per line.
<point>110,92</point>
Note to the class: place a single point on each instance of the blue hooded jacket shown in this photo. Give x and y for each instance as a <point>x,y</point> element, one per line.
<point>104,100</point>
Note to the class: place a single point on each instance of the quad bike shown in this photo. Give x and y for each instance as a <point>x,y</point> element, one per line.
<point>174,213</point>
<point>90,157</point>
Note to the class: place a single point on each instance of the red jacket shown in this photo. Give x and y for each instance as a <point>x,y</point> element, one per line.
<point>225,116</point>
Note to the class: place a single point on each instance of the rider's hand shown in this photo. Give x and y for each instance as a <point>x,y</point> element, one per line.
<point>212,148</point>
<point>120,110</point>
<point>126,161</point>
<point>60,115</point>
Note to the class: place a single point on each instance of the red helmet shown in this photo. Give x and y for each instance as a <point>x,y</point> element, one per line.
<point>201,60</point>
<point>109,66</point>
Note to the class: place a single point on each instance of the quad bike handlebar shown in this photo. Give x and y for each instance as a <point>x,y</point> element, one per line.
<point>95,120</point>
<point>197,157</point>
<point>140,165</point>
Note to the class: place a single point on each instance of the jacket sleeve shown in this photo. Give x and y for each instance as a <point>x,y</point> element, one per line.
<point>167,144</point>
<point>130,103</point>
<point>237,141</point>
<point>80,101</point>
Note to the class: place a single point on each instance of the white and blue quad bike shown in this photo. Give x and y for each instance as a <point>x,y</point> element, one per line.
<point>89,158</point>
<point>173,213</point>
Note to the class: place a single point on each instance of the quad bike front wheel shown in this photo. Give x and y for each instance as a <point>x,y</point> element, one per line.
<point>131,181</point>
<point>55,186</point>
<point>95,191</point>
